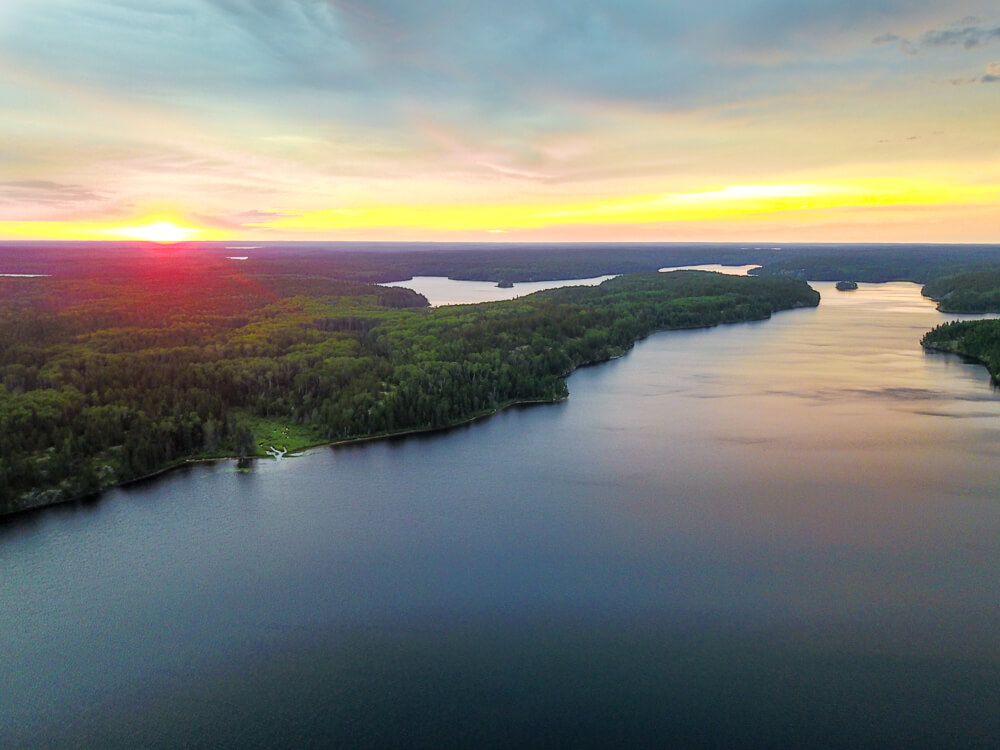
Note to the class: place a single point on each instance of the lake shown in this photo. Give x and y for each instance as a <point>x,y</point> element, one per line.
<point>772,534</point>
<point>443,291</point>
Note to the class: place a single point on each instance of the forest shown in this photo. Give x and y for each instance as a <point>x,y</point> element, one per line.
<point>971,292</point>
<point>375,262</point>
<point>976,339</point>
<point>880,263</point>
<point>113,370</point>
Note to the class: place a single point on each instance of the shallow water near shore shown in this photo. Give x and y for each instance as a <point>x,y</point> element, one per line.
<point>771,534</point>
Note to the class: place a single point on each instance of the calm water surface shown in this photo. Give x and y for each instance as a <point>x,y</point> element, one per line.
<point>783,533</point>
<point>444,291</point>
<point>440,290</point>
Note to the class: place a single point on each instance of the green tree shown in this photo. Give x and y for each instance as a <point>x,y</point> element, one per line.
<point>243,440</point>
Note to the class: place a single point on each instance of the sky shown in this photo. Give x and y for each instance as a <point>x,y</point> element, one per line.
<point>500,120</point>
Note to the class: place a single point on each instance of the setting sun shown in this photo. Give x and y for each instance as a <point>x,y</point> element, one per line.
<point>160,231</point>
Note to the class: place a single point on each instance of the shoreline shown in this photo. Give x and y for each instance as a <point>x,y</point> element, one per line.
<point>45,502</point>
<point>969,358</point>
<point>186,462</point>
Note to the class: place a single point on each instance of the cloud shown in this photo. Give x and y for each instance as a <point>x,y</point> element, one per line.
<point>969,33</point>
<point>992,75</point>
<point>886,39</point>
<point>249,217</point>
<point>27,200</point>
<point>46,192</point>
<point>299,104</point>
<point>810,28</point>
<point>241,219</point>
<point>968,37</point>
<point>492,60</point>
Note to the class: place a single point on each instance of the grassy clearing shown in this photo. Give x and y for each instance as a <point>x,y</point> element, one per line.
<point>282,435</point>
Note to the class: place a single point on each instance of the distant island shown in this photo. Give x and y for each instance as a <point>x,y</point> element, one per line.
<point>114,372</point>
<point>846,286</point>
<point>505,284</point>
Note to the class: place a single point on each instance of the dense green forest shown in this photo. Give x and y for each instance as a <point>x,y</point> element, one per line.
<point>978,339</point>
<point>973,292</point>
<point>383,262</point>
<point>880,263</point>
<point>113,371</point>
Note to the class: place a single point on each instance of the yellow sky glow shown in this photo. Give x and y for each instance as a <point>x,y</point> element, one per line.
<point>718,205</point>
<point>790,204</point>
<point>821,125</point>
<point>163,231</point>
<point>159,231</point>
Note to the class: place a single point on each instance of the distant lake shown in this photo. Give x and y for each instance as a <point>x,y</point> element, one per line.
<point>776,534</point>
<point>714,267</point>
<point>440,290</point>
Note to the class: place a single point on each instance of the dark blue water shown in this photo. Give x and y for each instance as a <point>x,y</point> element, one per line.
<point>776,534</point>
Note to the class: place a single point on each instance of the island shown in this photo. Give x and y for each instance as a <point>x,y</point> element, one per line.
<point>114,371</point>
<point>846,286</point>
<point>505,284</point>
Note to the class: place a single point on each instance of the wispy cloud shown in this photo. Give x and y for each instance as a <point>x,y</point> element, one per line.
<point>30,199</point>
<point>45,191</point>
<point>970,33</point>
<point>888,38</point>
<point>240,220</point>
<point>968,37</point>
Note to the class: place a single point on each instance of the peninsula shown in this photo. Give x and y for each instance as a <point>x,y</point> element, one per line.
<point>978,340</point>
<point>111,373</point>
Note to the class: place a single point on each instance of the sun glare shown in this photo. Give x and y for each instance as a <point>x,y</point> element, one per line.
<point>160,231</point>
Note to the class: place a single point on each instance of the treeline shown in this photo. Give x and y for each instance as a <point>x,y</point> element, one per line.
<point>497,263</point>
<point>881,263</point>
<point>383,262</point>
<point>375,262</point>
<point>107,378</point>
<point>978,339</point>
<point>973,292</point>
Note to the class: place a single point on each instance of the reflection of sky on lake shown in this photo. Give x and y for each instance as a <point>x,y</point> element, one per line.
<point>715,267</point>
<point>822,440</point>
<point>443,291</point>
